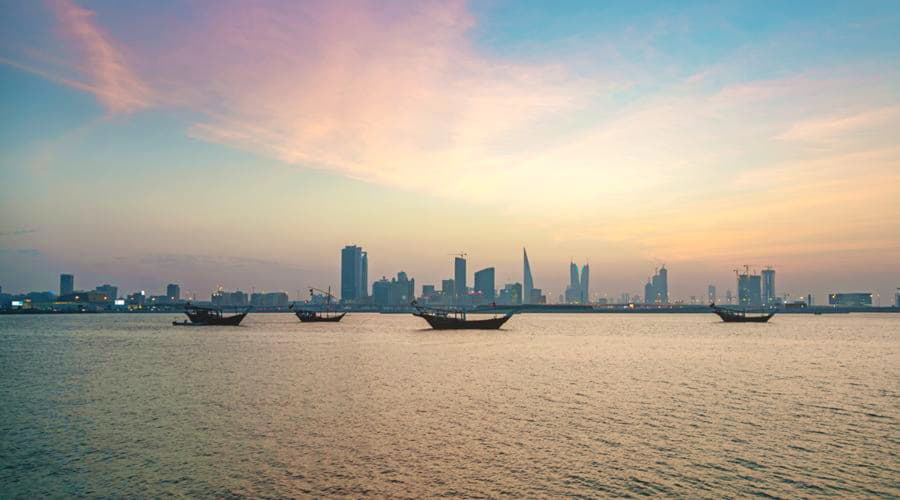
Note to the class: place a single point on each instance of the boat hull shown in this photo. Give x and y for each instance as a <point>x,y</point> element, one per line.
<point>446,323</point>
<point>212,321</point>
<point>315,318</point>
<point>738,318</point>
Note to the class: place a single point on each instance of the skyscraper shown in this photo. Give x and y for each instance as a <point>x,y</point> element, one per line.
<point>459,279</point>
<point>768,286</point>
<point>66,284</point>
<point>353,288</point>
<point>573,276</point>
<point>663,288</point>
<point>656,291</point>
<point>448,290</point>
<point>173,292</point>
<point>711,294</point>
<point>585,284</point>
<point>484,283</point>
<point>528,288</point>
<point>749,290</point>
<point>365,275</point>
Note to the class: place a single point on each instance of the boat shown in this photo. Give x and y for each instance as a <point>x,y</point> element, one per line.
<point>209,316</point>
<point>446,319</point>
<point>325,315</point>
<point>319,316</point>
<point>741,316</point>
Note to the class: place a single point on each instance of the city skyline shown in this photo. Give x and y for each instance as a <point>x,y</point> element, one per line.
<point>240,150</point>
<point>753,287</point>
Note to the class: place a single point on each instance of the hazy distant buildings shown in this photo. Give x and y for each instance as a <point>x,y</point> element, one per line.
<point>578,290</point>
<point>173,292</point>
<point>66,284</point>
<point>511,294</point>
<point>585,284</point>
<point>448,290</point>
<point>269,299</point>
<point>768,286</point>
<point>749,289</point>
<point>527,279</point>
<point>711,294</point>
<point>484,285</point>
<point>856,299</point>
<point>111,291</point>
<point>729,298</point>
<point>399,291</point>
<point>897,298</point>
<point>459,280</point>
<point>222,298</point>
<point>656,291</point>
<point>354,274</point>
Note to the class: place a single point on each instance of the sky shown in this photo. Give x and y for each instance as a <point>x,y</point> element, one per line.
<point>243,143</point>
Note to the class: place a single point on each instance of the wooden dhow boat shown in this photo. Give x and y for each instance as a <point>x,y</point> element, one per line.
<point>209,316</point>
<point>729,315</point>
<point>326,315</point>
<point>447,319</point>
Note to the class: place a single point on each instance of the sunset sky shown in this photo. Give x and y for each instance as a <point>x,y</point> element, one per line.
<point>243,143</point>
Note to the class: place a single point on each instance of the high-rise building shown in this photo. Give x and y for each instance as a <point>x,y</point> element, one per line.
<point>663,289</point>
<point>573,276</point>
<point>656,291</point>
<point>527,279</point>
<point>365,275</point>
<point>711,294</point>
<point>173,292</point>
<point>511,294</point>
<point>459,279</point>
<point>749,289</point>
<point>768,286</point>
<point>66,284</point>
<point>398,291</point>
<point>728,297</point>
<point>484,284</point>
<point>447,287</point>
<point>110,291</point>
<point>897,298</point>
<point>353,286</point>
<point>573,291</point>
<point>585,284</point>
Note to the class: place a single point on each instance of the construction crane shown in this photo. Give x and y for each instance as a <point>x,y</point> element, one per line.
<point>737,272</point>
<point>461,255</point>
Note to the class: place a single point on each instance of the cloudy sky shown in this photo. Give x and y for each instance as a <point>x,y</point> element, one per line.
<point>244,143</point>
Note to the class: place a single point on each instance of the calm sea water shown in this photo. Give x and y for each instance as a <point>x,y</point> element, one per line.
<point>594,405</point>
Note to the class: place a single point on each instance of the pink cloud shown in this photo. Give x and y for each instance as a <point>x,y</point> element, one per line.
<point>834,127</point>
<point>109,77</point>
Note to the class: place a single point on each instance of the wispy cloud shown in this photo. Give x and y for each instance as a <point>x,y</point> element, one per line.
<point>835,127</point>
<point>109,76</point>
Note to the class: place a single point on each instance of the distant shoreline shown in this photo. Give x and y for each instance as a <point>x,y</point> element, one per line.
<point>816,310</point>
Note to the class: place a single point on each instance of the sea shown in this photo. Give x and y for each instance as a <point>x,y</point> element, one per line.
<point>588,405</point>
